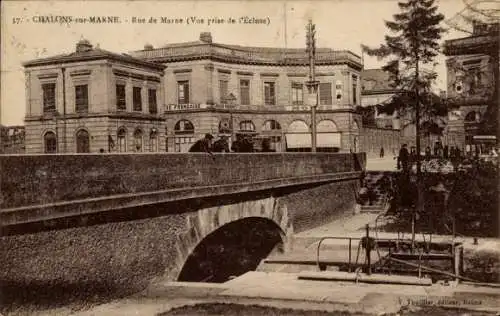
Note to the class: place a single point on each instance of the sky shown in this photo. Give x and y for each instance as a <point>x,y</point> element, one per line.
<point>340,24</point>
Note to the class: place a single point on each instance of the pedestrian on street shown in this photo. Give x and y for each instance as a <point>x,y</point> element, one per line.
<point>428,153</point>
<point>382,152</point>
<point>403,158</point>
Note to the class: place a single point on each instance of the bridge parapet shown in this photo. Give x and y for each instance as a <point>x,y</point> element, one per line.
<point>50,186</point>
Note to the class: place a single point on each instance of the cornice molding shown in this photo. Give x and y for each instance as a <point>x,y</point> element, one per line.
<point>244,73</point>
<point>81,73</point>
<point>48,75</point>
<point>181,71</point>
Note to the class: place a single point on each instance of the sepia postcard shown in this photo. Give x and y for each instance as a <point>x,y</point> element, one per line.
<point>249,157</point>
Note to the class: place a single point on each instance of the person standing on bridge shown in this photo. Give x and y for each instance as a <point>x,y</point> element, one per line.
<point>203,145</point>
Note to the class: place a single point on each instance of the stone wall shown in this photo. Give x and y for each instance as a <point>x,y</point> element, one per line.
<point>374,138</point>
<point>35,180</point>
<point>100,262</point>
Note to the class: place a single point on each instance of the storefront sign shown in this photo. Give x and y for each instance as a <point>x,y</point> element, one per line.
<point>183,107</point>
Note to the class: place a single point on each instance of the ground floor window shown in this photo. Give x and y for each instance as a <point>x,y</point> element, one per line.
<point>122,140</point>
<point>82,141</point>
<point>153,140</point>
<point>138,140</point>
<point>183,143</point>
<point>50,142</point>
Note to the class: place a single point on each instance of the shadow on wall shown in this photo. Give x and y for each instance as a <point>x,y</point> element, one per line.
<point>232,250</point>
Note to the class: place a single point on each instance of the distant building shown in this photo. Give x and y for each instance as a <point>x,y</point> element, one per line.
<point>12,139</point>
<point>380,130</point>
<point>164,99</point>
<point>376,89</point>
<point>472,68</point>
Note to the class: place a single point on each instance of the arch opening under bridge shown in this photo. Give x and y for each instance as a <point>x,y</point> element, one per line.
<point>232,250</point>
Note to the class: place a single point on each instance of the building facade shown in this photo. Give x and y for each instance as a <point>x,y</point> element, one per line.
<point>380,130</point>
<point>472,84</point>
<point>92,100</point>
<point>165,99</point>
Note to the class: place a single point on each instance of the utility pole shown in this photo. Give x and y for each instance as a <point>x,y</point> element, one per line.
<point>65,148</point>
<point>312,84</point>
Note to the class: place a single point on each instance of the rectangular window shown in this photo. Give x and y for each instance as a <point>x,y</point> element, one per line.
<point>245,92</point>
<point>137,99</point>
<point>49,97</point>
<point>183,92</point>
<point>297,94</point>
<point>269,93</point>
<point>325,93</point>
<point>121,100</point>
<point>153,108</point>
<point>82,98</point>
<point>354,90</point>
<point>223,91</point>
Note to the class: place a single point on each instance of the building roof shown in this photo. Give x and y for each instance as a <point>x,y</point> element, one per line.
<point>206,49</point>
<point>85,52</point>
<point>375,81</point>
<point>484,39</point>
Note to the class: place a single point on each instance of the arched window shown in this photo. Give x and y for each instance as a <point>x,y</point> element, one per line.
<point>153,140</point>
<point>184,127</point>
<point>271,125</point>
<point>298,137</point>
<point>50,142</point>
<point>298,127</point>
<point>138,140</point>
<point>247,126</point>
<point>328,137</point>
<point>82,141</point>
<point>122,140</point>
<point>472,117</point>
<point>326,126</point>
<point>184,136</point>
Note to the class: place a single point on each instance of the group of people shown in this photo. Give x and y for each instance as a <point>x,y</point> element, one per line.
<point>453,153</point>
<point>242,144</point>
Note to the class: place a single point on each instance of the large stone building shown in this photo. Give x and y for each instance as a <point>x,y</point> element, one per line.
<point>164,99</point>
<point>92,100</point>
<point>472,69</point>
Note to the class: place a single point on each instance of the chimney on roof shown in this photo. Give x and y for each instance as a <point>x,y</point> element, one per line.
<point>206,37</point>
<point>148,47</point>
<point>83,46</point>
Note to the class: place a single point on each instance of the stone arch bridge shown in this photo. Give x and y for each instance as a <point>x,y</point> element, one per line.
<point>221,198</point>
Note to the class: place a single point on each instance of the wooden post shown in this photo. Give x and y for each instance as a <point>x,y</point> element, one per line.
<point>458,259</point>
<point>368,250</point>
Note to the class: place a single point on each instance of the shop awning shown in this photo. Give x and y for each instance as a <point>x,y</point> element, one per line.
<point>298,140</point>
<point>303,140</point>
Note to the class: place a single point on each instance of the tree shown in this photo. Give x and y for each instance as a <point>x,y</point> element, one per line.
<point>414,45</point>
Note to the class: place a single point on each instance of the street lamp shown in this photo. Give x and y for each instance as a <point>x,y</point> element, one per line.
<point>312,87</point>
<point>312,84</point>
<point>231,102</point>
